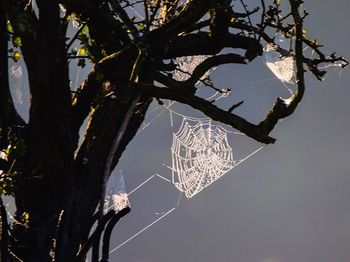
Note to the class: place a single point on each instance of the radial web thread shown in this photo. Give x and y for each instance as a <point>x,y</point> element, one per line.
<point>200,155</point>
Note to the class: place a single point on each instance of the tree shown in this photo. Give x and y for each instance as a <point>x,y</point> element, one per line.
<point>58,184</point>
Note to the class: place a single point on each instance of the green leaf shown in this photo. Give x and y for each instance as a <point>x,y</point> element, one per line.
<point>26,217</point>
<point>17,41</point>
<point>16,56</point>
<point>304,32</point>
<point>9,27</point>
<point>141,27</point>
<point>82,51</point>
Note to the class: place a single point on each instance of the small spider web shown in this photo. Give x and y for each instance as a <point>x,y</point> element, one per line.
<point>16,74</point>
<point>186,66</point>
<point>281,65</point>
<point>116,196</point>
<point>201,154</point>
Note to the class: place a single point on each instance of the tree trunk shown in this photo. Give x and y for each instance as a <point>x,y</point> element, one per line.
<point>62,194</point>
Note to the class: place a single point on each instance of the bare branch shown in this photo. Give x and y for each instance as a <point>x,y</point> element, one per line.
<point>211,62</point>
<point>4,234</point>
<point>211,110</point>
<point>118,9</point>
<point>233,107</point>
<point>189,15</point>
<point>99,21</point>
<point>115,68</point>
<point>281,109</point>
<point>72,40</point>
<point>202,43</point>
<point>108,232</point>
<point>94,239</point>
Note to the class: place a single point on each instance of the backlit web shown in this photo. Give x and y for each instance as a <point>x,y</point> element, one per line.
<point>200,150</point>
<point>280,60</point>
<point>116,196</point>
<point>16,74</point>
<point>200,155</point>
<point>186,65</point>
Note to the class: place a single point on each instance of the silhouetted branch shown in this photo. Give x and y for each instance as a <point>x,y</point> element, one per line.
<point>281,108</point>
<point>4,233</point>
<point>211,110</point>
<point>94,239</point>
<point>108,232</point>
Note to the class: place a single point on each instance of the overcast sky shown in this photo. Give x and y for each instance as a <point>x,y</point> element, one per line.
<point>287,203</point>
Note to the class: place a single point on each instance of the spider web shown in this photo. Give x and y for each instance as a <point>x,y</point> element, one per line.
<point>200,150</point>
<point>186,66</point>
<point>281,65</point>
<point>16,74</point>
<point>116,196</point>
<point>201,154</point>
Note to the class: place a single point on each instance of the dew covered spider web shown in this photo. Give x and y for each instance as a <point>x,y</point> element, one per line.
<point>200,150</point>
<point>16,73</point>
<point>186,66</point>
<point>201,154</point>
<point>280,60</point>
<point>116,195</point>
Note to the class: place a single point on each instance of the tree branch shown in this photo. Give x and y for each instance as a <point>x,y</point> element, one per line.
<point>107,31</point>
<point>4,234</point>
<point>281,108</point>
<point>188,16</point>
<point>108,232</point>
<point>115,68</point>
<point>211,62</point>
<point>118,9</point>
<point>25,25</point>
<point>94,239</point>
<point>202,43</point>
<point>192,44</point>
<point>211,110</point>
<point>113,150</point>
<point>199,71</point>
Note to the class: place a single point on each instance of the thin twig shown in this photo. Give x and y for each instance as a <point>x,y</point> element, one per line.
<point>248,16</point>
<point>108,232</point>
<point>146,15</point>
<point>75,37</point>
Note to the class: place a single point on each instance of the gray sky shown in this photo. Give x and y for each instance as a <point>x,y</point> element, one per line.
<point>288,203</point>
